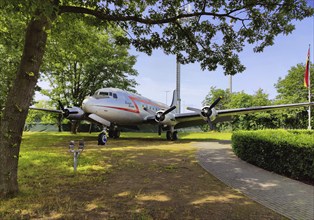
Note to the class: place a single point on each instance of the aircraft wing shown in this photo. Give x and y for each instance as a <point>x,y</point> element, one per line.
<point>194,119</point>
<point>230,112</point>
<point>47,110</point>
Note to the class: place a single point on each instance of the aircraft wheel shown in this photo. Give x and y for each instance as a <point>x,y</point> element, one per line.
<point>116,134</point>
<point>111,133</point>
<point>102,139</point>
<point>169,135</point>
<point>175,136</point>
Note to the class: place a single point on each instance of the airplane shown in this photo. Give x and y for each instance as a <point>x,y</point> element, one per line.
<point>114,109</point>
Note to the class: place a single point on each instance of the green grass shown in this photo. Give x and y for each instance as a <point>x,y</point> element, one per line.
<point>139,176</point>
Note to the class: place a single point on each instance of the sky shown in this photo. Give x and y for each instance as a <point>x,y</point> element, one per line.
<point>157,73</point>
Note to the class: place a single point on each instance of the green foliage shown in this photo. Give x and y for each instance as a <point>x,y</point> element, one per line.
<point>150,25</point>
<point>40,116</point>
<point>291,89</point>
<point>250,121</point>
<point>290,153</point>
<point>92,60</point>
<point>12,27</point>
<point>191,35</point>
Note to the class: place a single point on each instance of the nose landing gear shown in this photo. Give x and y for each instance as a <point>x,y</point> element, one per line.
<point>112,133</point>
<point>102,138</point>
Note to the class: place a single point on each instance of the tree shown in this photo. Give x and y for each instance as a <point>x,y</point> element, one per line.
<point>257,120</point>
<point>93,62</point>
<point>40,116</point>
<point>291,89</point>
<point>150,24</point>
<point>11,45</point>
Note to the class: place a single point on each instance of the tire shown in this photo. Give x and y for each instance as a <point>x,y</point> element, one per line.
<point>169,135</point>
<point>116,134</point>
<point>111,133</point>
<point>102,139</point>
<point>175,136</point>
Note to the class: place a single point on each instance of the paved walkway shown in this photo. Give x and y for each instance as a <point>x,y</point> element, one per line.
<point>288,197</point>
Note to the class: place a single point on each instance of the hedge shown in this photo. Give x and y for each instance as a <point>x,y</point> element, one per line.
<point>286,152</point>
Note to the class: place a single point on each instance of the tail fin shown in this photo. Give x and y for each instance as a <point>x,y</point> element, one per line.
<point>174,99</point>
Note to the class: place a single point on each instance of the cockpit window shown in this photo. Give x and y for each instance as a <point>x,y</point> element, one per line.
<point>103,93</point>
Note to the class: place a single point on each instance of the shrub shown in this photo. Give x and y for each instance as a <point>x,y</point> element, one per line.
<point>290,153</point>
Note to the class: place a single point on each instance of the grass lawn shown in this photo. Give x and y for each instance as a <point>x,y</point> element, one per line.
<point>139,176</point>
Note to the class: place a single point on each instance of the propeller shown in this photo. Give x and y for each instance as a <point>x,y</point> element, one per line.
<point>215,102</point>
<point>160,116</point>
<point>207,111</point>
<point>159,129</point>
<point>199,111</point>
<point>66,112</point>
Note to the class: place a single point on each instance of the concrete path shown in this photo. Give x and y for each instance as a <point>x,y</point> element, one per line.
<point>288,197</point>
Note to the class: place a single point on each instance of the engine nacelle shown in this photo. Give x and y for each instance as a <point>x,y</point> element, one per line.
<point>164,119</point>
<point>74,113</point>
<point>208,113</point>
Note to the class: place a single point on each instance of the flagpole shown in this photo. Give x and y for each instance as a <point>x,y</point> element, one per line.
<point>309,90</point>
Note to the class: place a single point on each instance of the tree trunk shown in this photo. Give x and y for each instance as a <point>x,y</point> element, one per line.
<point>17,104</point>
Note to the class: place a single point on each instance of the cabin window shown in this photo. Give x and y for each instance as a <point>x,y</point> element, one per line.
<point>115,96</point>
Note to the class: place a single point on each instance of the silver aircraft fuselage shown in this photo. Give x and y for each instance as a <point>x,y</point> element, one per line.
<point>120,107</point>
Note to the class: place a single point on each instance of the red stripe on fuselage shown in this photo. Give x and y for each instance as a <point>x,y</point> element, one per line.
<point>148,102</point>
<point>124,109</point>
<point>136,110</point>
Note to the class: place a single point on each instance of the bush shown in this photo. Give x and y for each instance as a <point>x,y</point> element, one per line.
<point>290,153</point>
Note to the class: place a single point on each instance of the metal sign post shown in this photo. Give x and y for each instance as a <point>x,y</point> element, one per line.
<point>76,152</point>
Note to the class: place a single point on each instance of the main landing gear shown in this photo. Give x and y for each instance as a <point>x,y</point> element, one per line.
<point>112,133</point>
<point>172,135</point>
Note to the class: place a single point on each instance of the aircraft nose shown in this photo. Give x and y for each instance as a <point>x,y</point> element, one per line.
<point>86,104</point>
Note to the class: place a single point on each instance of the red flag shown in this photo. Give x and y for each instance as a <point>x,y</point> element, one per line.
<point>307,70</point>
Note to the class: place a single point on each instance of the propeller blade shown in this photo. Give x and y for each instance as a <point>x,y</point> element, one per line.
<point>159,129</point>
<point>169,110</point>
<point>215,102</point>
<point>74,112</point>
<point>199,111</point>
<point>210,123</point>
<point>61,105</point>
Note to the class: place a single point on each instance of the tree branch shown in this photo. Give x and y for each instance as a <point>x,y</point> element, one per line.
<point>112,17</point>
